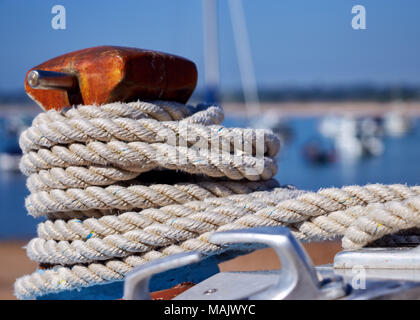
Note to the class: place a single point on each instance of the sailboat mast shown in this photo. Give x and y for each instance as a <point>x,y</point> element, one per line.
<point>211,51</point>
<point>243,52</point>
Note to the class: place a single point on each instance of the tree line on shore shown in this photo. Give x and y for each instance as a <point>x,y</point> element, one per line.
<point>284,94</point>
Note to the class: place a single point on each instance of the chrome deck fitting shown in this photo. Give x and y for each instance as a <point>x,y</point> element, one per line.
<point>361,274</point>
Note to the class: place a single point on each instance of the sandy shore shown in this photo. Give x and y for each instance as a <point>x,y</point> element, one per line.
<point>312,109</point>
<point>287,109</point>
<point>14,263</point>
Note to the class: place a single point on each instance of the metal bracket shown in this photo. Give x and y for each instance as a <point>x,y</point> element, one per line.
<point>379,258</point>
<point>392,273</point>
<point>298,278</point>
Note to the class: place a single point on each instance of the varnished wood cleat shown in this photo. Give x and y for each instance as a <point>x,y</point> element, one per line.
<point>108,74</point>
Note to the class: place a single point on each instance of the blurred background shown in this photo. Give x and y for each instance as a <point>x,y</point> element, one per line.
<point>344,101</point>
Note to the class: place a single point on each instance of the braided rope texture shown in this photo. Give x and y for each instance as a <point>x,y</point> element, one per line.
<point>86,172</point>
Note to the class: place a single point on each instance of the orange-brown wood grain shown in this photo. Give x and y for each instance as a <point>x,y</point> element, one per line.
<point>107,74</point>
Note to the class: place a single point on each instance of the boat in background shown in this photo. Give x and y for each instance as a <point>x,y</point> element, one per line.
<point>354,138</point>
<point>9,162</point>
<point>272,120</point>
<point>396,124</point>
<point>11,127</point>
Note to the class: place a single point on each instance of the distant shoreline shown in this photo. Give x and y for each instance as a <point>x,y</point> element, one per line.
<point>313,109</point>
<point>287,109</point>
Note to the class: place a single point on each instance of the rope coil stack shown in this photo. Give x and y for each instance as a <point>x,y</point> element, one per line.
<point>86,169</point>
<point>116,194</point>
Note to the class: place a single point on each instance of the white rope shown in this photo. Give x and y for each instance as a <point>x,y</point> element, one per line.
<point>86,169</point>
<point>131,197</point>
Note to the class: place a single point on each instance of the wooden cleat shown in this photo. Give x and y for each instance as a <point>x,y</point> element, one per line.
<point>108,74</point>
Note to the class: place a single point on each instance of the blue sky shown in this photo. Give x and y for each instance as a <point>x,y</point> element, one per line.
<point>294,42</point>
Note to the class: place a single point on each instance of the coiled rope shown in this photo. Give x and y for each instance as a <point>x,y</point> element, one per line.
<point>100,175</point>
